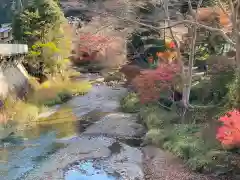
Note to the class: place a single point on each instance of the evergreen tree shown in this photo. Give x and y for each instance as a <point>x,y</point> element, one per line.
<point>41,25</point>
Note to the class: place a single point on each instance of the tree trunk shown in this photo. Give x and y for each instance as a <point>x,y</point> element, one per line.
<point>190,68</point>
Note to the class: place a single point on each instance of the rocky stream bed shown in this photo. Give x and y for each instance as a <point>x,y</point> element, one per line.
<point>106,146</point>
<point>99,143</point>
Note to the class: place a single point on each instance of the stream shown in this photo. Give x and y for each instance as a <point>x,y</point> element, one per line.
<point>85,138</point>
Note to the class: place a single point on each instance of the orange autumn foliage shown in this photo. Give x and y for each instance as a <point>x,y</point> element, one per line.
<point>229,133</point>
<point>167,56</point>
<point>209,14</point>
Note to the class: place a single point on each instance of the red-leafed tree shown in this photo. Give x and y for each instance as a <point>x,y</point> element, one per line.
<point>150,83</point>
<point>90,44</point>
<point>229,133</point>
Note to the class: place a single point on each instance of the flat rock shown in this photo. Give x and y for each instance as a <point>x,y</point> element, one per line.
<point>116,125</point>
<point>100,97</point>
<point>128,162</point>
<point>81,148</point>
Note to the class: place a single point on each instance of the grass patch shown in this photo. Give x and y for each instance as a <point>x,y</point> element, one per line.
<point>130,103</point>
<point>58,91</point>
<point>18,114</point>
<point>184,141</point>
<point>194,143</point>
<point>25,112</point>
<point>20,111</point>
<point>155,117</point>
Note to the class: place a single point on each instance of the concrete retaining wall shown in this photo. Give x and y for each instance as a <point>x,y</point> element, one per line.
<point>13,49</point>
<point>13,78</point>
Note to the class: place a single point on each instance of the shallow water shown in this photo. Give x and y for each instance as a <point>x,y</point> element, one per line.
<point>25,150</point>
<point>90,170</point>
<point>28,148</point>
<point>24,156</point>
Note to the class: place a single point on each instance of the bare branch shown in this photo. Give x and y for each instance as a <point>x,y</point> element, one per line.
<point>212,29</point>
<point>231,6</point>
<point>222,8</point>
<point>220,31</point>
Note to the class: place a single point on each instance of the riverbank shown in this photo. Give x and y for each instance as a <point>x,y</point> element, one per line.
<point>90,131</point>
<point>195,144</point>
<point>110,135</point>
<point>19,114</point>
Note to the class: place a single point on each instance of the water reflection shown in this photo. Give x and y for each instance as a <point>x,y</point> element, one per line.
<point>90,170</point>
<point>63,123</point>
<point>24,150</point>
<point>21,158</point>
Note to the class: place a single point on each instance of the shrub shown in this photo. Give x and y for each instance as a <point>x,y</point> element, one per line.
<point>130,103</point>
<point>229,133</point>
<point>150,83</point>
<point>156,136</point>
<point>20,112</point>
<point>156,117</point>
<point>234,92</point>
<point>34,83</point>
<point>152,116</point>
<point>59,91</point>
<point>209,160</point>
<point>184,141</point>
<point>59,99</point>
<point>98,49</point>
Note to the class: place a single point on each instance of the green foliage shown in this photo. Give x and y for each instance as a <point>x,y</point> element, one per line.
<point>156,136</point>
<point>36,21</point>
<point>52,93</point>
<point>212,90</point>
<point>156,117</point>
<point>46,53</point>
<point>60,98</point>
<point>41,25</point>
<point>20,112</point>
<point>234,92</point>
<point>149,41</point>
<point>219,84</point>
<point>185,142</point>
<point>130,103</point>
